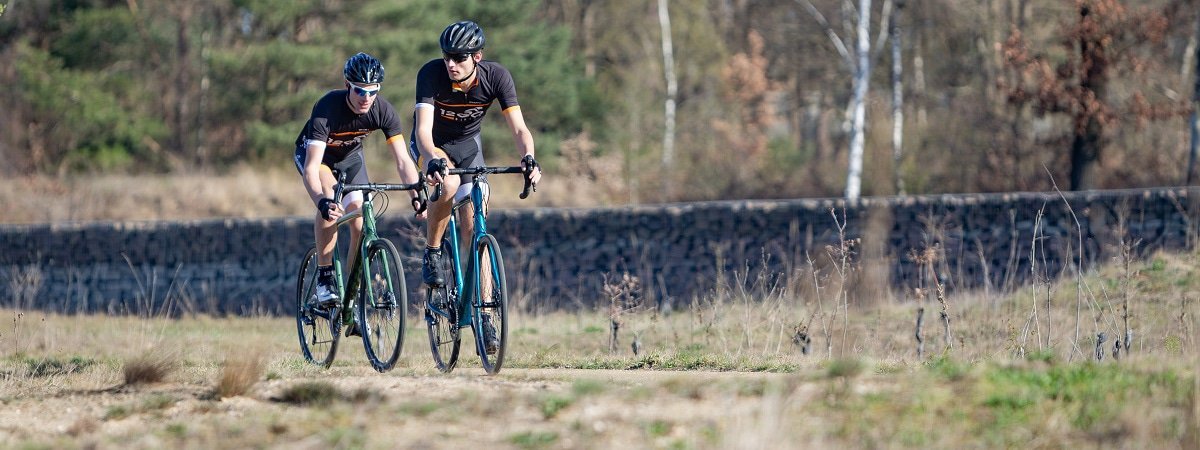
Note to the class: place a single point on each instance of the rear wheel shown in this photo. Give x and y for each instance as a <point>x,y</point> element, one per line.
<point>317,327</point>
<point>382,305</point>
<point>491,310</point>
<point>441,318</point>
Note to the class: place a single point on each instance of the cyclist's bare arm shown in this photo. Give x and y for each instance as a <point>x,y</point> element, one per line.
<point>312,177</point>
<point>522,136</point>
<point>406,167</point>
<point>423,129</point>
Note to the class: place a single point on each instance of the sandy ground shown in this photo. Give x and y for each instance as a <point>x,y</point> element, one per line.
<point>519,408</point>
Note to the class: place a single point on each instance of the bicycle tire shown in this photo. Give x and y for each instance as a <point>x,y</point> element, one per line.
<point>441,320</point>
<point>318,334</point>
<point>491,307</point>
<point>382,305</point>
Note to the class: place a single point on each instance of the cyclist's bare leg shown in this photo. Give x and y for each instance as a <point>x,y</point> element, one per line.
<point>466,224</point>
<point>466,217</point>
<point>439,211</point>
<point>355,231</point>
<point>324,230</point>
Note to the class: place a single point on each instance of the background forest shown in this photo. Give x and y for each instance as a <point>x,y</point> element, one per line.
<point>994,95</point>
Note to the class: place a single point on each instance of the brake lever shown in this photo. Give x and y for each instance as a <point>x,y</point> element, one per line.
<point>530,165</point>
<point>422,201</point>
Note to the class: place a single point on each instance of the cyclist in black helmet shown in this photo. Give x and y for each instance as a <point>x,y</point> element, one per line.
<point>331,142</point>
<point>453,94</point>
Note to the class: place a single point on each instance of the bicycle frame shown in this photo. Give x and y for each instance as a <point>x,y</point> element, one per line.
<point>349,290</point>
<point>348,287</point>
<point>466,299</point>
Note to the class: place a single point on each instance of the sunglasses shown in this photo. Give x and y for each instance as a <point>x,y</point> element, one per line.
<point>363,92</point>
<point>456,57</point>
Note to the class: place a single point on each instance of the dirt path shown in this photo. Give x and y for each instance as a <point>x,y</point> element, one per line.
<point>559,408</point>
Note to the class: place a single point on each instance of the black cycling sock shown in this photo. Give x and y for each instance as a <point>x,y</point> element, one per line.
<point>429,249</point>
<point>325,274</point>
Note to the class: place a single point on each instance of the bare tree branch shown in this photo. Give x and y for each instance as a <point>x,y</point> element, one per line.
<point>885,21</point>
<point>838,43</point>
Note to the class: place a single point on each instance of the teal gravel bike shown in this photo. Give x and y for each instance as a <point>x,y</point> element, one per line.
<point>374,295</point>
<point>477,297</point>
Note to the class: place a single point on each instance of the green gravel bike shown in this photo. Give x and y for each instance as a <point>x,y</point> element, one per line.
<point>374,298</point>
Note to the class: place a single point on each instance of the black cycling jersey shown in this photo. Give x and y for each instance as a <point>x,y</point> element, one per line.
<point>341,129</point>
<point>458,110</point>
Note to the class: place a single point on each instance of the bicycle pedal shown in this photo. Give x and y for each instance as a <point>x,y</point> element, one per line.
<point>316,310</point>
<point>322,306</point>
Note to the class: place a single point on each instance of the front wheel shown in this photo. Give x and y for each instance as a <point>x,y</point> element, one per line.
<point>317,327</point>
<point>491,305</point>
<point>441,318</point>
<point>382,305</point>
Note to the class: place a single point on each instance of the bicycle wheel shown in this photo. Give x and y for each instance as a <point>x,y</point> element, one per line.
<point>490,320</point>
<point>317,327</point>
<point>441,318</point>
<point>382,305</point>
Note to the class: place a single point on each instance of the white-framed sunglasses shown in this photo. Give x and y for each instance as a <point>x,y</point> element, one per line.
<point>364,92</point>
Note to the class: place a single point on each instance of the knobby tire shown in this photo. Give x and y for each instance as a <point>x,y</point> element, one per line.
<point>318,334</point>
<point>491,301</point>
<point>382,305</point>
<point>445,338</point>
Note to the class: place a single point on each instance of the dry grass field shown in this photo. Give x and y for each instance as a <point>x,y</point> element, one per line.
<point>727,372</point>
<point>242,192</point>
<point>791,364</point>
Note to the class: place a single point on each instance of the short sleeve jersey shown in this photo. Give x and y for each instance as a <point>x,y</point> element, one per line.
<point>342,130</point>
<point>458,110</point>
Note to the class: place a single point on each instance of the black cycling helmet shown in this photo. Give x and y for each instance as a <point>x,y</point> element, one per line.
<point>363,68</point>
<point>462,37</point>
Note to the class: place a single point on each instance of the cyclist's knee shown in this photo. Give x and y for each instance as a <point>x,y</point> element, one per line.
<point>352,201</point>
<point>449,188</point>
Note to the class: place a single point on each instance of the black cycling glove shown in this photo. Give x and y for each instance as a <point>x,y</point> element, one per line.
<point>326,205</point>
<point>437,166</point>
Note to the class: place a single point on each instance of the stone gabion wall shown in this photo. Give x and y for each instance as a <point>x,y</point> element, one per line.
<point>561,258</point>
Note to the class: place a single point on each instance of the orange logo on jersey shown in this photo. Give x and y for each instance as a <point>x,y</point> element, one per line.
<point>348,138</point>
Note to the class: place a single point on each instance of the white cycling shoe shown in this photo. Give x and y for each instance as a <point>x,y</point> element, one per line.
<point>326,295</point>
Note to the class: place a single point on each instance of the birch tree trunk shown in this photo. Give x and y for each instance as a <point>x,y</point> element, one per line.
<point>664,23</point>
<point>1195,122</point>
<point>919,80</point>
<point>859,65</point>
<point>897,99</point>
<point>861,83</point>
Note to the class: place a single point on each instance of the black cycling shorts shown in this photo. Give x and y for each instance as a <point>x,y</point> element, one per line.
<point>352,165</point>
<point>463,154</point>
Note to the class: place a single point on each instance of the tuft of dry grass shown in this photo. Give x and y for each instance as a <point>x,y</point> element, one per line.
<point>318,393</point>
<point>148,368</point>
<point>240,372</point>
<point>83,426</point>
